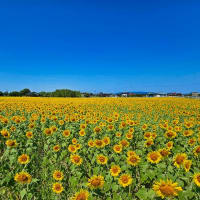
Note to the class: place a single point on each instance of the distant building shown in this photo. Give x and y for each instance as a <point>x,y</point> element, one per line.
<point>195,94</point>
<point>174,94</point>
<point>153,94</point>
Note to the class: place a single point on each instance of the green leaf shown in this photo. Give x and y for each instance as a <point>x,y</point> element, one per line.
<point>23,193</point>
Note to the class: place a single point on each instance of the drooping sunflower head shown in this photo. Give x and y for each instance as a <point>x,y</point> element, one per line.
<point>187,165</point>
<point>23,159</point>
<point>58,175</point>
<point>125,180</point>
<point>179,159</point>
<point>154,157</point>
<point>23,177</point>
<point>115,170</point>
<point>96,182</point>
<point>57,188</point>
<point>166,189</point>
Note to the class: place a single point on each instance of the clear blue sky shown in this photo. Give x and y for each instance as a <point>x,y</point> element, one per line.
<point>105,45</point>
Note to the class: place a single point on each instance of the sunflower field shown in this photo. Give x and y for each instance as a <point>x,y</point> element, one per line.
<point>99,148</point>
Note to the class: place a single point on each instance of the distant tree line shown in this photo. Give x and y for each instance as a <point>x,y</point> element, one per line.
<point>28,93</point>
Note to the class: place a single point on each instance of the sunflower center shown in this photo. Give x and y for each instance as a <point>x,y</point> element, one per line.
<point>180,159</point>
<point>24,177</point>
<point>124,179</point>
<point>81,196</point>
<point>167,190</point>
<point>198,150</point>
<point>95,182</point>
<point>198,178</point>
<point>154,156</point>
<point>133,159</point>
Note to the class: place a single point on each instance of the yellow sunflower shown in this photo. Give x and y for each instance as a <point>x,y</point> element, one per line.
<point>196,151</point>
<point>117,148</point>
<point>96,182</point>
<point>23,177</point>
<point>58,175</point>
<point>101,159</point>
<point>76,159</point>
<point>133,160</point>
<point>11,143</point>
<point>57,188</point>
<point>125,180</point>
<point>179,159</point>
<point>82,195</point>
<point>23,159</point>
<point>196,179</point>
<point>115,170</point>
<point>154,157</point>
<point>166,189</point>
<point>187,165</point>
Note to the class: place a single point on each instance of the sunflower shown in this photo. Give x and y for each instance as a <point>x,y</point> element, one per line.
<point>133,160</point>
<point>99,143</point>
<point>91,143</point>
<point>148,143</point>
<point>196,151</point>
<point>58,175</point>
<point>164,152</point>
<point>129,136</point>
<point>5,133</point>
<point>187,164</point>
<point>115,170</point>
<point>118,134</point>
<point>196,179</point>
<point>66,133</point>
<point>131,153</point>
<point>56,148</point>
<point>144,127</point>
<point>101,159</point>
<point>106,140</point>
<point>48,131</point>
<point>74,141</point>
<point>96,182</point>
<point>11,143</point>
<point>188,133</point>
<point>54,128</point>
<point>147,135</point>
<point>154,157</point>
<point>57,188</point>
<point>23,177</point>
<point>82,132</point>
<point>61,122</point>
<point>76,159</point>
<point>29,134</point>
<point>117,148</point>
<point>179,159</point>
<point>166,189</point>
<point>83,126</point>
<point>169,145</point>
<point>23,159</point>
<point>192,141</point>
<point>125,180</point>
<point>72,148</point>
<point>124,143</point>
<point>82,195</point>
<point>170,134</point>
<point>97,129</point>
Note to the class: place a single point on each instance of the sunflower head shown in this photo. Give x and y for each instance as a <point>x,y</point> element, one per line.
<point>23,159</point>
<point>57,188</point>
<point>125,180</point>
<point>23,177</point>
<point>96,182</point>
<point>82,195</point>
<point>115,170</point>
<point>154,157</point>
<point>166,189</point>
<point>58,175</point>
<point>196,179</point>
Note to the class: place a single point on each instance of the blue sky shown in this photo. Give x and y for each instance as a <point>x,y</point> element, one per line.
<point>95,46</point>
